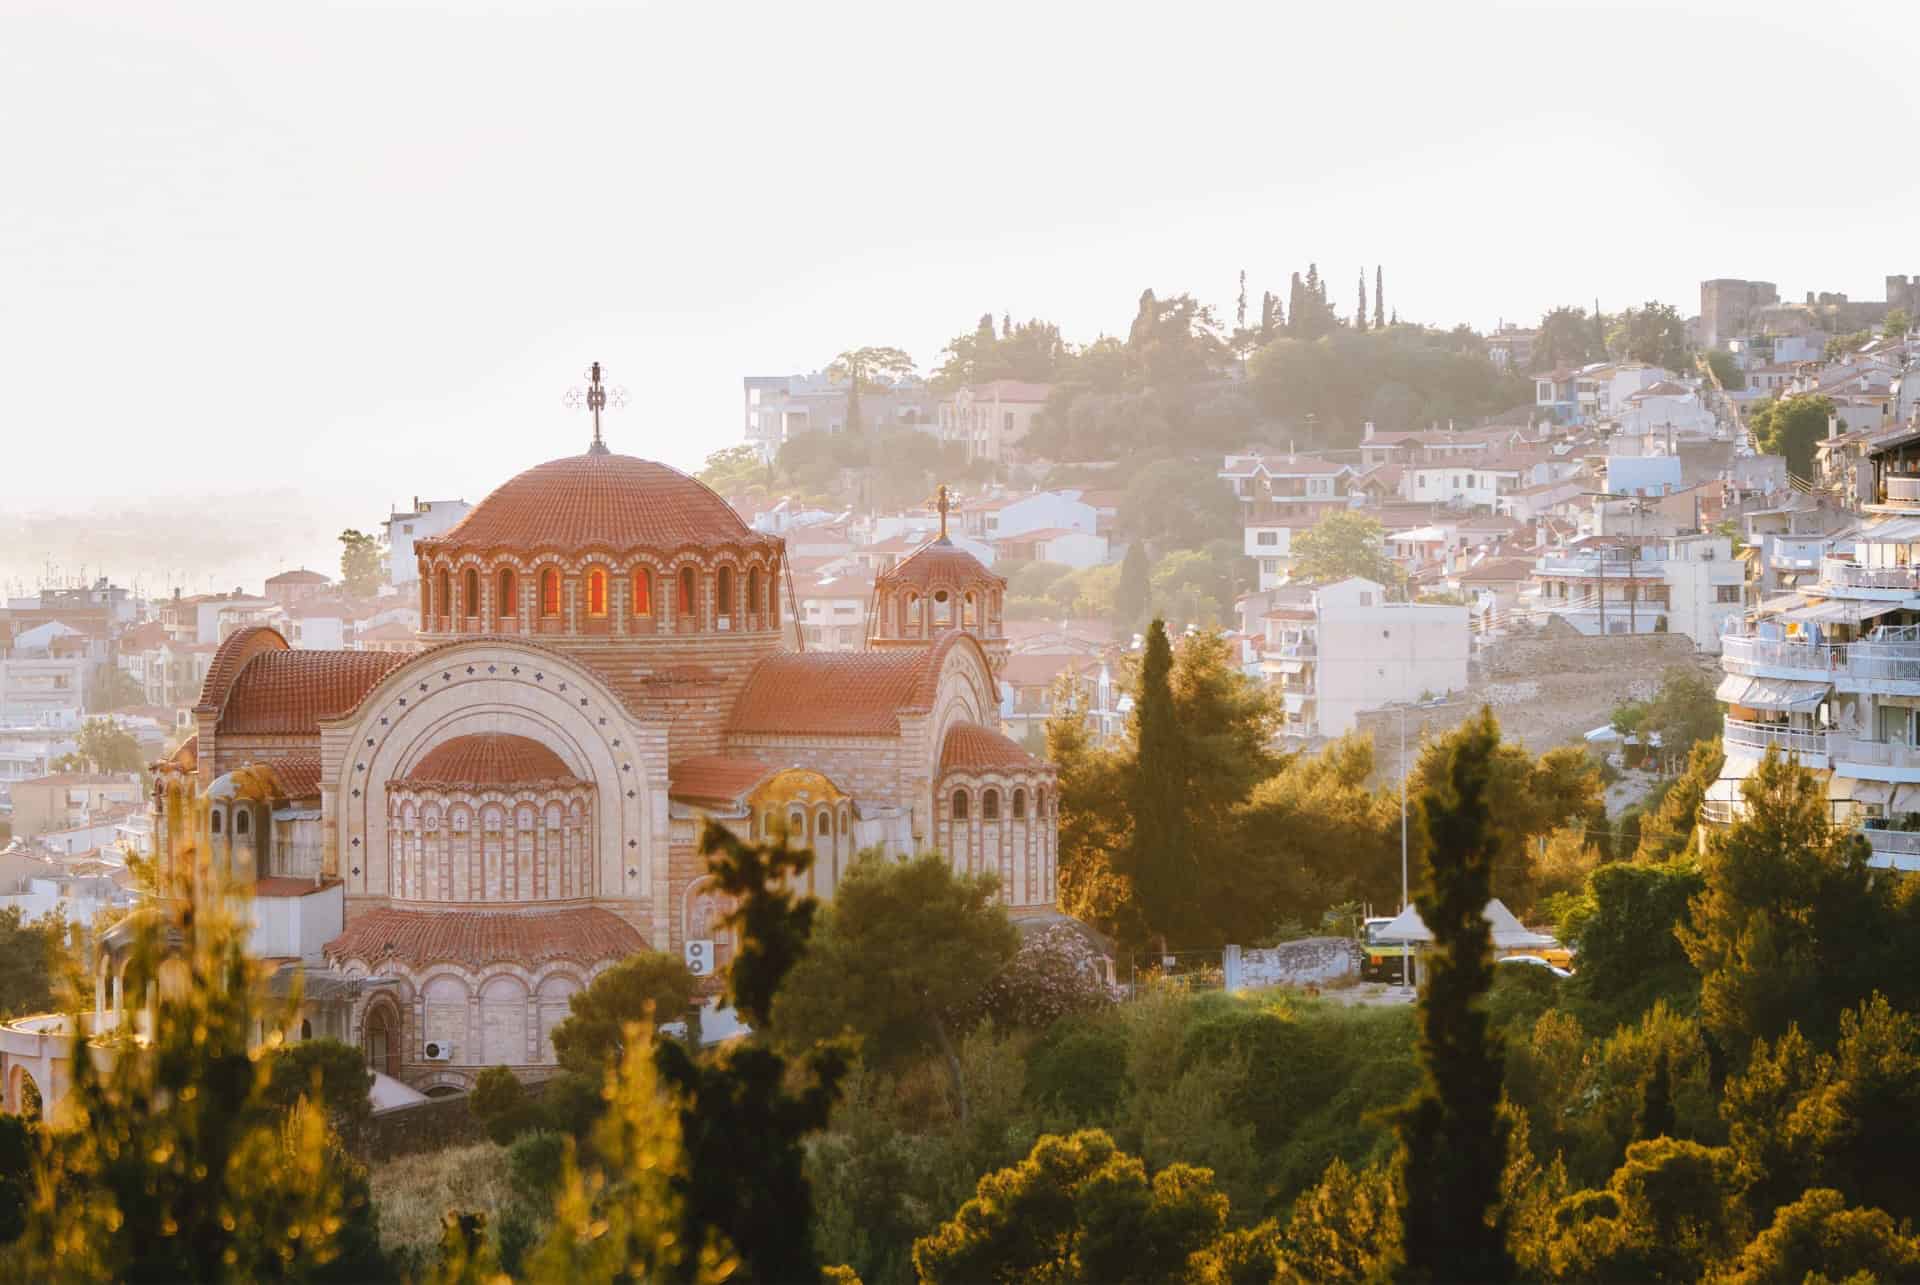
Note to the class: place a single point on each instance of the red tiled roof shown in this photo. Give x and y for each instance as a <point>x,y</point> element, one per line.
<point>939,562</point>
<point>83,778</point>
<point>1027,669</point>
<point>970,747</point>
<point>474,939</point>
<point>607,501</point>
<point>239,647</point>
<point>188,755</point>
<point>488,759</point>
<point>296,776</point>
<point>289,692</point>
<point>1045,533</point>
<point>144,637</point>
<point>715,778</point>
<point>299,576</point>
<point>849,693</point>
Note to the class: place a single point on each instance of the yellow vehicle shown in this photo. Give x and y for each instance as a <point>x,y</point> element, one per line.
<point>1380,959</point>
<point>1556,954</point>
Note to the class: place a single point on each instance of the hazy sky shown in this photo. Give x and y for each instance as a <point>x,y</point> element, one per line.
<point>364,249</point>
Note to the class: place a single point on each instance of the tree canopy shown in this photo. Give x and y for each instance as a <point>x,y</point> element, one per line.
<point>360,572</point>
<point>1791,426</point>
<point>1343,544</point>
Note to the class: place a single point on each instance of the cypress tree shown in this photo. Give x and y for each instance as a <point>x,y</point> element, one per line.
<point>1159,859</point>
<point>1379,294</point>
<point>1655,1118</point>
<point>1360,313</point>
<point>1240,307</point>
<point>1130,597</point>
<point>1296,315</point>
<point>1453,1140</point>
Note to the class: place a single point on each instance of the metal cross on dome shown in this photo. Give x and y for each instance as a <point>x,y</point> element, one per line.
<point>596,397</point>
<point>946,501</point>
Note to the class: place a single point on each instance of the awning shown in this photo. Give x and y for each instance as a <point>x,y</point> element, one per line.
<point>1294,701</point>
<point>1736,769</point>
<point>1868,792</point>
<point>1778,603</point>
<point>1507,931</point>
<point>1770,693</point>
<point>1290,666</point>
<point>1836,612</point>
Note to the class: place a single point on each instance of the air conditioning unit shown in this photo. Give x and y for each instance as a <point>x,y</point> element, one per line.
<point>438,1051</point>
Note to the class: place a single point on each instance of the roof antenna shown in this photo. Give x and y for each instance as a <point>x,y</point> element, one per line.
<point>596,398</point>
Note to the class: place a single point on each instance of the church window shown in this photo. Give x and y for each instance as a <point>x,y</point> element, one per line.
<point>306,1029</point>
<point>1019,805</point>
<point>443,587</point>
<point>823,825</point>
<point>215,820</point>
<point>685,605</point>
<point>724,593</point>
<point>942,609</point>
<point>960,805</point>
<point>596,592</point>
<point>969,612</point>
<point>642,592</point>
<point>506,603</point>
<point>753,589</point>
<point>990,806</point>
<point>549,592</point>
<point>470,588</point>
<point>240,821</point>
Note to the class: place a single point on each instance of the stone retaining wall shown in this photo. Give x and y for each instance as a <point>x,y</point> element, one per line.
<point>1311,961</point>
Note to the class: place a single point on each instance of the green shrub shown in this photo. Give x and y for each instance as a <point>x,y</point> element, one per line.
<point>1080,1069</point>
<point>535,1160</point>
<point>499,1102</point>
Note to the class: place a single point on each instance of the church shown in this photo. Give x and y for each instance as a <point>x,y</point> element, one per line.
<point>452,843</point>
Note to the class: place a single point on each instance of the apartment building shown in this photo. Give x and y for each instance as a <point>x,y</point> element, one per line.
<point>1348,649</point>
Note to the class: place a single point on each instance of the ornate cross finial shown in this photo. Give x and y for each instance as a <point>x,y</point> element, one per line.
<point>596,398</point>
<point>945,501</point>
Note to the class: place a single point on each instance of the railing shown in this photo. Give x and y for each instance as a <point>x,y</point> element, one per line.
<point>1743,649</point>
<point>1717,811</point>
<point>1885,661</point>
<point>1295,649</point>
<point>1791,740</point>
<point>1855,749</point>
<point>1597,567</point>
<point>1906,843</point>
<point>1850,575</point>
<point>1902,490</point>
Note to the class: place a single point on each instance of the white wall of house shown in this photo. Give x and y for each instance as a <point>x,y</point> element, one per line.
<point>296,927</point>
<point>1705,589</point>
<point>43,692</point>
<point>426,521</point>
<point>1078,549</point>
<point>1372,652</point>
<point>1041,511</point>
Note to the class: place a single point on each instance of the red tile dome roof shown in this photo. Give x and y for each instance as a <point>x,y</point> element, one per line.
<point>486,759</point>
<point>939,562</point>
<point>970,747</point>
<point>616,502</point>
<point>474,939</point>
<point>289,693</point>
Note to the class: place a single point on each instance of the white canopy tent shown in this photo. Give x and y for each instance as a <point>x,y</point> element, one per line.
<point>1508,932</point>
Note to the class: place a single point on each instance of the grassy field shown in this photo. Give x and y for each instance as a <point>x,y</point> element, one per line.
<point>412,1192</point>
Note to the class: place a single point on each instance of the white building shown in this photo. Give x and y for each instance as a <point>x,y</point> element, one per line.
<point>1685,584</point>
<point>1352,650</point>
<point>1016,515</point>
<point>423,521</point>
<point>43,691</point>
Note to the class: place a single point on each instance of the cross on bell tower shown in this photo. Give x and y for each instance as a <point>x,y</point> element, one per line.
<point>946,501</point>
<point>596,397</point>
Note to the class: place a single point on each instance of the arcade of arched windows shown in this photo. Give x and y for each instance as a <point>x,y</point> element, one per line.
<point>909,612</point>
<point>1005,824</point>
<point>826,826</point>
<point>729,591</point>
<point>498,1016</point>
<point>489,846</point>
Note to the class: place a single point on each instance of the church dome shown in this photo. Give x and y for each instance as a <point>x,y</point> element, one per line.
<point>488,760</point>
<point>939,562</point>
<point>598,500</point>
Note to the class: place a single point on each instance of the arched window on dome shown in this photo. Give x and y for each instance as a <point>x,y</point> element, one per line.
<point>443,591</point>
<point>942,610</point>
<point>1019,805</point>
<point>753,592</point>
<point>550,592</point>
<point>910,620</point>
<point>597,592</point>
<point>684,607</point>
<point>642,592</point>
<point>470,594</point>
<point>773,596</point>
<point>505,605</point>
<point>990,806</point>
<point>970,611</point>
<point>426,603</point>
<point>723,598</point>
<point>960,805</point>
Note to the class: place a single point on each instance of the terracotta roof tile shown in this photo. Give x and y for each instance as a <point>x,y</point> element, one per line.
<point>296,776</point>
<point>298,576</point>
<point>607,501</point>
<point>290,886</point>
<point>854,693</point>
<point>239,647</point>
<point>289,692</point>
<point>486,759</point>
<point>715,778</point>
<point>474,939</point>
<point>972,748</point>
<point>143,637</point>
<point>940,562</point>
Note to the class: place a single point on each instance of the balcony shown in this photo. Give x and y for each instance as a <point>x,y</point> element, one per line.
<point>1902,490</point>
<point>1897,848</point>
<point>1874,760</point>
<point>1744,654</point>
<point>1843,573</point>
<point>1809,743</point>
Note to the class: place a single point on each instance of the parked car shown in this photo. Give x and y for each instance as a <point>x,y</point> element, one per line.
<point>1534,961</point>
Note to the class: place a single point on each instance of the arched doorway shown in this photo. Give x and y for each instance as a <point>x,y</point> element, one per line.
<point>23,1093</point>
<point>382,1038</point>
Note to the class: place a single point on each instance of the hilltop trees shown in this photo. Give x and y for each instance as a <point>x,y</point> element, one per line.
<point>1655,333</point>
<point>360,572</point>
<point>1344,544</point>
<point>861,368</point>
<point>1791,426</point>
<point>1567,339</point>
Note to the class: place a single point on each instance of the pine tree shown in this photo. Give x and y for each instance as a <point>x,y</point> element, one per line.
<point>1453,1140</point>
<point>1240,308</point>
<point>1360,313</point>
<point>1006,325</point>
<point>1379,294</point>
<point>1131,597</point>
<point>1271,321</point>
<point>1655,1116</point>
<point>1160,859</point>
